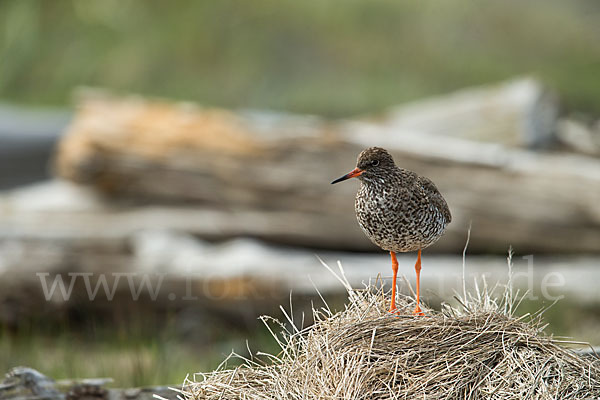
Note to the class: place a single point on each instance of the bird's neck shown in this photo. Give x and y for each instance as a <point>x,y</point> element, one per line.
<point>372,182</point>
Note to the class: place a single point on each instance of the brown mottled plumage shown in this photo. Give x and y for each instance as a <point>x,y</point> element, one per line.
<point>397,209</point>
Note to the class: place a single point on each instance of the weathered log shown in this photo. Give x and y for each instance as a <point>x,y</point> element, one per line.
<point>46,241</point>
<point>518,113</point>
<point>578,136</point>
<point>242,269</point>
<point>267,175</point>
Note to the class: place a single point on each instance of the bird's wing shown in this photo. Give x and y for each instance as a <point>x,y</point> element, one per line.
<point>431,192</point>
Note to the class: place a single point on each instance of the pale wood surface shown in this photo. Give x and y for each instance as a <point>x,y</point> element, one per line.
<point>220,174</point>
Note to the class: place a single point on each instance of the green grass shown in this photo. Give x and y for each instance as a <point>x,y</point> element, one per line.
<point>131,364</point>
<point>133,355</point>
<point>331,58</point>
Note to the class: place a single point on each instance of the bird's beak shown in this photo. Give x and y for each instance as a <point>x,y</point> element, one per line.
<point>352,174</point>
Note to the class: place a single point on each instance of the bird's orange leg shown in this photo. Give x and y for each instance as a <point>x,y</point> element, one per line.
<point>418,271</point>
<point>395,269</point>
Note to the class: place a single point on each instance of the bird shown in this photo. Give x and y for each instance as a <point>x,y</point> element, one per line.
<point>398,210</point>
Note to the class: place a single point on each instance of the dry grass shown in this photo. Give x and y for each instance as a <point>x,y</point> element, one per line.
<point>476,350</point>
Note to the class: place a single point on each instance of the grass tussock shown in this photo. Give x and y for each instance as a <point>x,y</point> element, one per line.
<point>476,350</point>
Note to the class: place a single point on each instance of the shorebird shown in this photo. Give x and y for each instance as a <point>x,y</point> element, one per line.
<point>397,209</point>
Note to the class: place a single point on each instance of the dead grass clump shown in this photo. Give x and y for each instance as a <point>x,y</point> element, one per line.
<point>478,350</point>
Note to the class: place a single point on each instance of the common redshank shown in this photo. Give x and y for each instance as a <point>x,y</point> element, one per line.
<point>397,209</point>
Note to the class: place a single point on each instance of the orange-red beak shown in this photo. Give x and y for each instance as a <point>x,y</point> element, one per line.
<point>352,174</point>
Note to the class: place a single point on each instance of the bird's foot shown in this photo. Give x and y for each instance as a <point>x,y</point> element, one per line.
<point>418,311</point>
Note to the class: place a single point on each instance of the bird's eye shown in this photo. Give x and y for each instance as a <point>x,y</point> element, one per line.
<point>375,163</point>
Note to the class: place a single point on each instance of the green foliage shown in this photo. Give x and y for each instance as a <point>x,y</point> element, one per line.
<point>132,354</point>
<point>326,57</point>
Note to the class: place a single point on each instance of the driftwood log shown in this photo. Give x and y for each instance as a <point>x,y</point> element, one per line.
<point>59,232</point>
<point>23,383</point>
<point>219,174</point>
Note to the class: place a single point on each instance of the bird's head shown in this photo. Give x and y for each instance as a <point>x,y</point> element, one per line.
<point>372,163</point>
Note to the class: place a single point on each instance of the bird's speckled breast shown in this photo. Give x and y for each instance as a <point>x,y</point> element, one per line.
<point>402,214</point>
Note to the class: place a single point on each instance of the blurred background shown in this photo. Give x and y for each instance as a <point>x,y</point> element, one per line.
<point>169,163</point>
